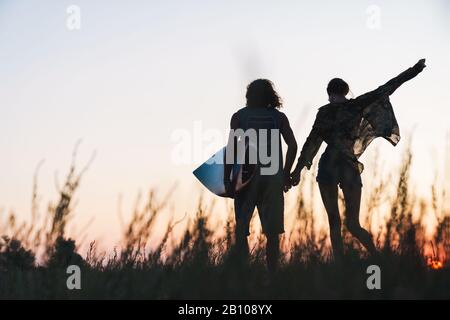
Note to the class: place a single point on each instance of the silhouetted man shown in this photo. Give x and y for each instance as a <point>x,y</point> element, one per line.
<point>263,165</point>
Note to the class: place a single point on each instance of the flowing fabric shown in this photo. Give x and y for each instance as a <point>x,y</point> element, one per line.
<point>378,120</point>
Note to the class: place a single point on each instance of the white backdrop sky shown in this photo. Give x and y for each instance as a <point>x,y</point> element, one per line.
<point>138,70</point>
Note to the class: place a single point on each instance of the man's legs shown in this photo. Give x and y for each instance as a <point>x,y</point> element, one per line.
<point>271,213</point>
<point>241,246</point>
<point>244,206</point>
<point>272,252</point>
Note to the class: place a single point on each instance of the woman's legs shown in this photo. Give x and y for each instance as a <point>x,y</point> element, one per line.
<point>352,196</point>
<point>329,193</point>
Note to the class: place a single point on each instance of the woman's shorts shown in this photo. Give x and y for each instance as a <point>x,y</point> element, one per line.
<point>336,170</point>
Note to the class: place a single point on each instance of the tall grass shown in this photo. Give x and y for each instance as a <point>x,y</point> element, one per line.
<point>199,262</point>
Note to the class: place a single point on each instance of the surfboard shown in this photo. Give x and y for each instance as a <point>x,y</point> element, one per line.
<point>211,174</point>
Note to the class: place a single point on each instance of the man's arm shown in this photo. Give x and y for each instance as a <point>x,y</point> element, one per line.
<point>234,124</point>
<point>389,87</point>
<point>289,138</point>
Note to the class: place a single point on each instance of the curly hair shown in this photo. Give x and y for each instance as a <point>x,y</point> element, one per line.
<point>261,94</point>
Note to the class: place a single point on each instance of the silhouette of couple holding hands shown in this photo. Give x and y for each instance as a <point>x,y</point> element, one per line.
<point>347,126</point>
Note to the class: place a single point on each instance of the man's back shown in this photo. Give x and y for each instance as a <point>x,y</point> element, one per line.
<point>266,123</point>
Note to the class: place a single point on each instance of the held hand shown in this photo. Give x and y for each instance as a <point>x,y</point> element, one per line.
<point>286,182</point>
<point>420,65</point>
<point>295,176</point>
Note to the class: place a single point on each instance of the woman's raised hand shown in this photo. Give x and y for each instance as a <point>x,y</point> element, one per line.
<point>420,65</point>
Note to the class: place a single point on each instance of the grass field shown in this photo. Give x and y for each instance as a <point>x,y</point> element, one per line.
<point>200,263</point>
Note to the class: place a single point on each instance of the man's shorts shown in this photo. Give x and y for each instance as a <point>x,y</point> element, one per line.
<point>266,194</point>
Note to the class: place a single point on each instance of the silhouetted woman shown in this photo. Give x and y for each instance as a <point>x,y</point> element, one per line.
<point>348,126</point>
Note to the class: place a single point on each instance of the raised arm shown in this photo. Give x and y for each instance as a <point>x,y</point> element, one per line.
<point>389,87</point>
<point>289,138</point>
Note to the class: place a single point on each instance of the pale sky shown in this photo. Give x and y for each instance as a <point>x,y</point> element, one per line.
<point>136,72</point>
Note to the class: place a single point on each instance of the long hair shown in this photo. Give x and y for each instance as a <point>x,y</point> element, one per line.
<point>261,94</point>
